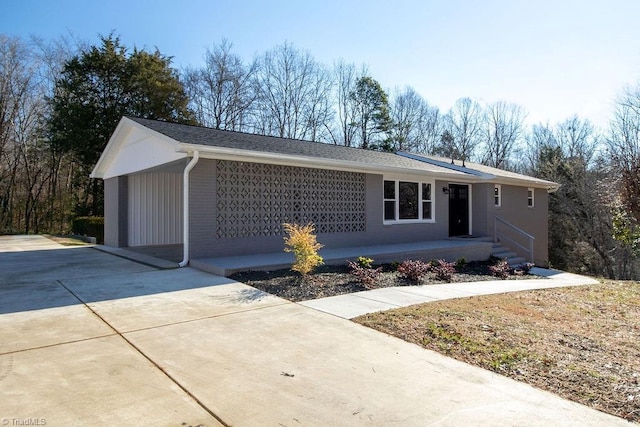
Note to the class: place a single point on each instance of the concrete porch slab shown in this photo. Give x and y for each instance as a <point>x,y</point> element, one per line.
<point>451,250</point>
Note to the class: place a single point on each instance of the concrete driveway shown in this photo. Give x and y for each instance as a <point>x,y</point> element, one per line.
<point>90,338</point>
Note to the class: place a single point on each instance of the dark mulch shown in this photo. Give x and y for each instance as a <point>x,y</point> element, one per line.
<point>330,280</point>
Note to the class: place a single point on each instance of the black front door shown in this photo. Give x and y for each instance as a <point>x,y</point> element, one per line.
<point>458,210</point>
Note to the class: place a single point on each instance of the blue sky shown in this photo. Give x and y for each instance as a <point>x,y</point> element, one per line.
<point>554,58</point>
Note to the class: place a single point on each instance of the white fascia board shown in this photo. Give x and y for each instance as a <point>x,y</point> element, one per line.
<point>134,148</point>
<point>111,149</point>
<point>222,153</point>
<point>551,187</point>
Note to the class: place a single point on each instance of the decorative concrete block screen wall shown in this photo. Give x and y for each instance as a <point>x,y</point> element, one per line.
<point>254,199</point>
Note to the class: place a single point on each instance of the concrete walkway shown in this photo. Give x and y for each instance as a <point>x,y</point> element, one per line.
<point>88,338</point>
<point>356,304</point>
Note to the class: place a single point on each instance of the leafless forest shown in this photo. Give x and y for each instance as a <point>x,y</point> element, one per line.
<point>49,142</point>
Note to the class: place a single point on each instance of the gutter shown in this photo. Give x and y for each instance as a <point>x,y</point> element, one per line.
<point>185,209</point>
<point>243,155</point>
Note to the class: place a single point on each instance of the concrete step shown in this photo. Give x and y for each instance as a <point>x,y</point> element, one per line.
<point>516,261</point>
<point>504,254</point>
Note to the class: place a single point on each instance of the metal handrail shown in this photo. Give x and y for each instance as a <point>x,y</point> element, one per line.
<point>501,236</point>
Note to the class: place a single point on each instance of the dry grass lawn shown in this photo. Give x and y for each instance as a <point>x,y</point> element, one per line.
<point>582,343</point>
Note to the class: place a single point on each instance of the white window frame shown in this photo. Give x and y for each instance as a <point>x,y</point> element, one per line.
<point>531,197</point>
<point>497,195</point>
<point>421,200</point>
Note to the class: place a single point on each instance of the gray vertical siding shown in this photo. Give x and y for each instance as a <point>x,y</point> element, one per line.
<point>155,208</point>
<point>115,213</point>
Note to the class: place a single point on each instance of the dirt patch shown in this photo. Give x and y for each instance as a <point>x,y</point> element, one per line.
<point>582,343</point>
<point>330,280</point>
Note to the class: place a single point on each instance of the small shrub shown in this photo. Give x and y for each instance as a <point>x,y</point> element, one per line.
<point>366,275</point>
<point>301,240</point>
<point>526,267</point>
<point>413,270</point>
<point>365,262</point>
<point>444,270</point>
<point>523,269</point>
<point>89,226</point>
<point>501,269</point>
<point>460,263</point>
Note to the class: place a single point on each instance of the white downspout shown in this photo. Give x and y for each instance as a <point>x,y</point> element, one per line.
<point>185,209</point>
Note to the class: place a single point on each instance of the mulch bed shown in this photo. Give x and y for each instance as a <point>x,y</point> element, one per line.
<point>330,280</point>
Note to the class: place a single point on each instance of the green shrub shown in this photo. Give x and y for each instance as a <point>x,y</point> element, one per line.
<point>92,226</point>
<point>460,263</point>
<point>413,270</point>
<point>301,240</point>
<point>365,262</point>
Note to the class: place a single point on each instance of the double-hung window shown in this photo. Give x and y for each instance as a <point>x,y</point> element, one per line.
<point>497,195</point>
<point>530,197</point>
<point>408,201</point>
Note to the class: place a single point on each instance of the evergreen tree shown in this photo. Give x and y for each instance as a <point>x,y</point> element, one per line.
<point>98,87</point>
<point>372,117</point>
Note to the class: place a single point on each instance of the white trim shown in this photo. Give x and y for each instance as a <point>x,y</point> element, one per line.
<point>135,148</point>
<point>396,180</point>
<point>233,154</point>
<point>532,198</point>
<point>493,196</point>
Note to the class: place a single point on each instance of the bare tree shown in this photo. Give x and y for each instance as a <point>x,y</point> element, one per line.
<point>29,168</point>
<point>221,93</point>
<point>345,76</point>
<point>430,130</point>
<point>292,94</point>
<point>466,125</point>
<point>624,148</point>
<point>578,138</point>
<point>416,125</point>
<point>17,83</point>
<point>505,129</point>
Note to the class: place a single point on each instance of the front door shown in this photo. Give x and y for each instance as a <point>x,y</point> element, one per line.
<point>458,210</point>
